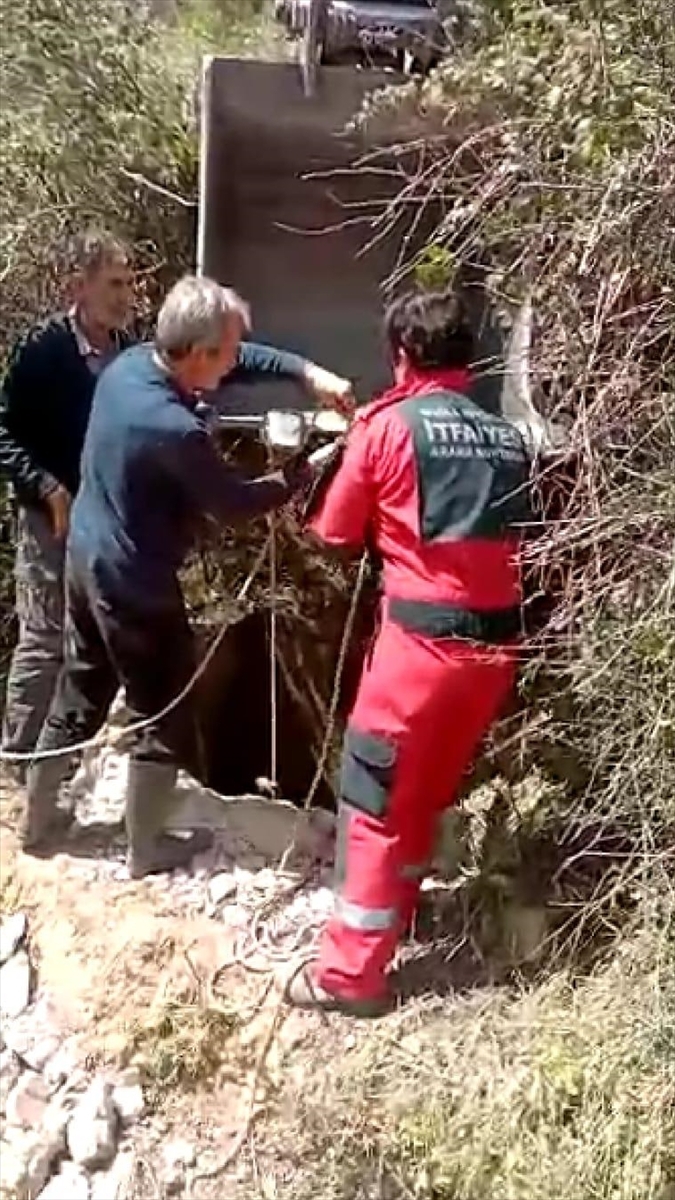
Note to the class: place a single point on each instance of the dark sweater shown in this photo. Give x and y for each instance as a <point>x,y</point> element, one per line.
<point>149,472</point>
<point>46,399</point>
<point>44,407</point>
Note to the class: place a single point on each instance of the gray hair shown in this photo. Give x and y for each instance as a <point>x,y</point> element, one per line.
<point>89,251</point>
<point>196,312</point>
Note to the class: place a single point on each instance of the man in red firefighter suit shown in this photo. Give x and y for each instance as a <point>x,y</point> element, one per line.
<point>439,489</point>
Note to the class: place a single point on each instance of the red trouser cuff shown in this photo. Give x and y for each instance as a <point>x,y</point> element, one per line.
<point>337,986</point>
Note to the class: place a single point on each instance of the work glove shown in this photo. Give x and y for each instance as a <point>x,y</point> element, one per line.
<point>319,459</point>
<point>307,470</point>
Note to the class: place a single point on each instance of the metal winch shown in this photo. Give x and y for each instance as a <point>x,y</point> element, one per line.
<point>288,431</point>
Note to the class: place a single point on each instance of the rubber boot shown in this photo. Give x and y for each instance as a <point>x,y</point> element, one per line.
<point>149,800</point>
<point>42,818</point>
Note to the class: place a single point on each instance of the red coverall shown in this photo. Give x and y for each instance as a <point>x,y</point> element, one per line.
<point>438,488</point>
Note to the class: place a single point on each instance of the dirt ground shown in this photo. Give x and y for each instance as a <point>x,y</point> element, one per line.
<point>138,974</point>
<point>147,974</point>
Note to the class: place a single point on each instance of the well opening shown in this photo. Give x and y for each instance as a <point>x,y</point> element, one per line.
<point>236,713</point>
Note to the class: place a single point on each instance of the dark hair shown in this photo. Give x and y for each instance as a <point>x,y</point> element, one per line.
<point>432,329</point>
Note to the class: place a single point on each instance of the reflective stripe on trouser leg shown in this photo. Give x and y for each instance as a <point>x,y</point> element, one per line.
<point>363,917</point>
<point>361,936</point>
<point>430,703</point>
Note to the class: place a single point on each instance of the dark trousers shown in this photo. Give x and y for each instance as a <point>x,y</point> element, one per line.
<point>149,654</point>
<point>37,658</point>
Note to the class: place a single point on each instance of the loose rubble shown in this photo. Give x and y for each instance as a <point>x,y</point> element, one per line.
<point>12,934</point>
<point>179,1157</point>
<point>70,1182</point>
<point>27,1160</point>
<point>67,1132</point>
<point>91,1132</point>
<point>127,1097</point>
<point>28,1102</point>
<point>115,1184</point>
<point>240,880</point>
<point>63,1131</point>
<point>15,985</point>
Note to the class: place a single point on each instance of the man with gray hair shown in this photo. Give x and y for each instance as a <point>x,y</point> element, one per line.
<point>150,472</point>
<point>45,401</point>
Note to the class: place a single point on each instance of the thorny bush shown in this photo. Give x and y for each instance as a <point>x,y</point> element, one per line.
<point>546,152</point>
<point>98,126</point>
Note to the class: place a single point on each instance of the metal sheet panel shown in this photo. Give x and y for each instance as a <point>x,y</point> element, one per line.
<point>292,245</point>
<point>285,219</point>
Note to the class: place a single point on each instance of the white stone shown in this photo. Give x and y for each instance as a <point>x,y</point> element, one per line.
<point>117,1183</point>
<point>69,1184</point>
<point>26,1160</point>
<point>15,986</point>
<point>33,1039</point>
<point>130,1076</point>
<point>27,1102</point>
<point>129,1101</point>
<point>92,1127</point>
<point>56,1119</point>
<point>222,887</point>
<point>12,932</point>
<point>179,1154</point>
<point>10,1071</point>
<point>61,1065</point>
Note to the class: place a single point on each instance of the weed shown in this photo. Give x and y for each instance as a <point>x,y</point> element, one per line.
<point>181,1046</point>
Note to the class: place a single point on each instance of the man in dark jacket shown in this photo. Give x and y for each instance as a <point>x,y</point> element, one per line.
<point>44,410</point>
<point>150,471</point>
<point>439,489</point>
<point>44,407</point>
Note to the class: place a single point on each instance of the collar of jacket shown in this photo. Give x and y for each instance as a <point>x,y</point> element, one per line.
<point>84,346</point>
<point>418,383</point>
<point>423,383</point>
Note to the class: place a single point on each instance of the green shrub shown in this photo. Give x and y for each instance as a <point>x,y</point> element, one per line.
<point>550,139</point>
<point>98,126</point>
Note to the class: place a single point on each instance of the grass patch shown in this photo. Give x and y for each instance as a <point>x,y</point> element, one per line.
<point>245,28</point>
<point>181,1046</point>
<point>565,1091</point>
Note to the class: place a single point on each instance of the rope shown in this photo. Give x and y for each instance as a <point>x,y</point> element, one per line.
<point>337,682</point>
<point>269,546</point>
<point>276,1019</point>
<point>273,652</point>
<point>332,707</point>
<point>136,727</point>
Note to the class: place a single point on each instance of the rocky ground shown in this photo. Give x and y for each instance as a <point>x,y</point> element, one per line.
<point>67,1129</point>
<point>146,1052</point>
<point>144,1036</point>
<point>126,1006</point>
